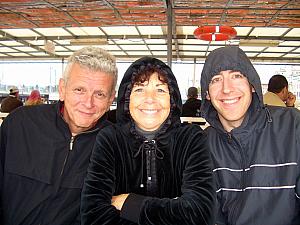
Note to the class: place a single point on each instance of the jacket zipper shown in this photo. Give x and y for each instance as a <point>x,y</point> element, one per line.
<point>57,185</point>
<point>67,156</point>
<point>240,201</point>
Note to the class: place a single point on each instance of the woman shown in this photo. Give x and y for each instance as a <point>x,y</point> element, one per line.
<point>148,168</point>
<point>34,98</point>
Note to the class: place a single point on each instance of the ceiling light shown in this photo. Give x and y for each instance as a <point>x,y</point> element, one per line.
<point>87,41</point>
<point>259,43</point>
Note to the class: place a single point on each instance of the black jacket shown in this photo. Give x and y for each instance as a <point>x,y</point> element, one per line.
<point>177,160</point>
<point>191,108</point>
<point>44,167</point>
<point>256,165</point>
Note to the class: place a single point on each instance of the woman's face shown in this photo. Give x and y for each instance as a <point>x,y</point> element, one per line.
<point>149,103</point>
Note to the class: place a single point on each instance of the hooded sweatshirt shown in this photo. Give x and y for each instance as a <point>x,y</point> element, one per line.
<point>256,165</point>
<point>168,178</point>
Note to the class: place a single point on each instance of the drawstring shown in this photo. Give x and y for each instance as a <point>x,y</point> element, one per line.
<point>148,146</point>
<point>269,115</point>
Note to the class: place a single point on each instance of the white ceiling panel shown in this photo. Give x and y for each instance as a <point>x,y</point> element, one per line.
<point>159,53</point>
<point>21,32</point>
<point>84,31</point>
<point>10,43</point>
<point>133,47</point>
<point>294,32</point>
<point>269,55</point>
<point>151,30</point>
<point>52,31</point>
<point>117,30</point>
<point>158,47</point>
<point>278,49</point>
<point>268,31</point>
<point>6,49</point>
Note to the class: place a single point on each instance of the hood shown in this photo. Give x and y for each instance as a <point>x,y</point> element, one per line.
<point>123,115</point>
<point>228,58</point>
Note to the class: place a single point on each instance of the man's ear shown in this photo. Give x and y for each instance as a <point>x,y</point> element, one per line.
<point>207,96</point>
<point>112,97</point>
<point>61,89</point>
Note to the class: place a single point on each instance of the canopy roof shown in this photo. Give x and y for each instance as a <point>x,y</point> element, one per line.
<point>266,30</point>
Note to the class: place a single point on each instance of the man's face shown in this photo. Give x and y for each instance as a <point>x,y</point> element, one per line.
<point>150,103</point>
<point>285,93</point>
<point>231,95</point>
<point>87,95</point>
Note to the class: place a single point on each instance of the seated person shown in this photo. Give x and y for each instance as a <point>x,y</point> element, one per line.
<point>191,108</point>
<point>34,98</point>
<point>12,101</point>
<point>278,93</point>
<point>148,168</point>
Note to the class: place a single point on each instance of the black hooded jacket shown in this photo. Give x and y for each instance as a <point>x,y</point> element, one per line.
<point>256,166</point>
<point>177,159</point>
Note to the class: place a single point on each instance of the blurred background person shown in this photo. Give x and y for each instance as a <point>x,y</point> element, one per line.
<point>34,98</point>
<point>12,101</point>
<point>191,107</point>
<point>278,92</point>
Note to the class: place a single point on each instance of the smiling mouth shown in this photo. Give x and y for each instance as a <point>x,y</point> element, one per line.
<point>230,101</point>
<point>149,111</point>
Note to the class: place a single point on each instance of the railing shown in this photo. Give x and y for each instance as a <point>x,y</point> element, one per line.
<point>197,120</point>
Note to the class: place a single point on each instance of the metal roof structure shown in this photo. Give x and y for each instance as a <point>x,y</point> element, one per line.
<point>266,30</point>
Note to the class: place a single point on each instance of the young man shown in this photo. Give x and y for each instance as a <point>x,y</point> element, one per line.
<point>255,149</point>
<point>278,92</point>
<point>45,149</point>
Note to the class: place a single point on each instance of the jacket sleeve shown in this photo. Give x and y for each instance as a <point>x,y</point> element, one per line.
<point>2,163</point>
<point>98,188</point>
<point>196,203</point>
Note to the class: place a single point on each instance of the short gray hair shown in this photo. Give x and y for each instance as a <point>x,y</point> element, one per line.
<point>95,59</point>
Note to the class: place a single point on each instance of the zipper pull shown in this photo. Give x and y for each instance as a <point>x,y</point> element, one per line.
<point>71,143</point>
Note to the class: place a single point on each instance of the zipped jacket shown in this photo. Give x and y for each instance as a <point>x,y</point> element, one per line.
<point>43,167</point>
<point>168,178</point>
<point>256,166</point>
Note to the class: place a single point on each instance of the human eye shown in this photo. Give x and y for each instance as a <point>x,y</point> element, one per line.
<point>160,90</point>
<point>163,90</point>
<point>78,90</point>
<point>216,79</point>
<point>100,95</point>
<point>237,75</point>
<point>138,89</point>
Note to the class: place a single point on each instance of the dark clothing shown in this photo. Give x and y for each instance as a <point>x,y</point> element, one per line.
<point>111,115</point>
<point>44,166</point>
<point>10,103</point>
<point>191,108</point>
<point>256,166</point>
<point>169,178</point>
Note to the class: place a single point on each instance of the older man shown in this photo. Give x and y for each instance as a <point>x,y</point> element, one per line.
<point>45,149</point>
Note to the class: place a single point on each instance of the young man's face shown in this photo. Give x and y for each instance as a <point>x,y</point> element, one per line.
<point>87,95</point>
<point>231,95</point>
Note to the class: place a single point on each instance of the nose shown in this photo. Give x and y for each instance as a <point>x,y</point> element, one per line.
<point>227,86</point>
<point>149,96</point>
<point>88,100</point>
